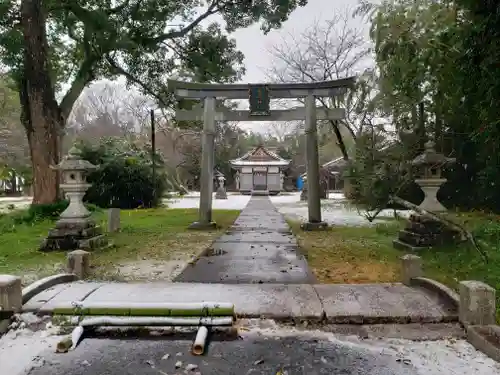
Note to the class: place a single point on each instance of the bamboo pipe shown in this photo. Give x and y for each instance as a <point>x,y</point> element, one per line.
<point>194,309</point>
<point>199,341</point>
<point>112,321</point>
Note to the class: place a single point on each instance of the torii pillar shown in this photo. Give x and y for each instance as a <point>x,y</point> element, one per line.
<point>207,167</point>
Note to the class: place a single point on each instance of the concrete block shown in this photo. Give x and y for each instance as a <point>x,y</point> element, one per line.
<point>411,267</point>
<point>11,297</point>
<point>113,220</point>
<point>477,303</point>
<point>79,263</point>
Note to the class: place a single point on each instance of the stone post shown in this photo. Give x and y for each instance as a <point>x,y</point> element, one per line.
<point>79,263</point>
<point>411,267</point>
<point>477,303</point>
<point>313,183</point>
<point>11,299</point>
<point>113,220</point>
<point>207,167</point>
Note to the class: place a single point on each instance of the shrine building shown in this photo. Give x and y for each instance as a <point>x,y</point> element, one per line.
<point>260,172</point>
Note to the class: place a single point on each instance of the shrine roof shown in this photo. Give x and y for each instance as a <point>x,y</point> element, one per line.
<point>260,156</point>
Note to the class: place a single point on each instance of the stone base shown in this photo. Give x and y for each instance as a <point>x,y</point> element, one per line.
<point>308,226</point>
<point>303,195</point>
<point>220,194</point>
<point>197,225</point>
<point>397,244</point>
<point>70,235</point>
<point>69,243</point>
<point>424,233</point>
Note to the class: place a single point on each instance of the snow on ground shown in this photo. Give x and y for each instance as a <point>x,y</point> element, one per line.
<point>22,349</point>
<point>335,210</point>
<point>233,202</point>
<point>9,203</point>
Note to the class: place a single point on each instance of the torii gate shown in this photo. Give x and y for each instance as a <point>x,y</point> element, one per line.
<point>259,96</point>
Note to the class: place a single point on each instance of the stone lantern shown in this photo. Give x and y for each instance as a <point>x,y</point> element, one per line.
<point>422,232</point>
<point>221,190</point>
<point>75,229</point>
<point>429,166</point>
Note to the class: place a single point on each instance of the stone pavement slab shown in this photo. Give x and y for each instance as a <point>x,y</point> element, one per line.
<point>278,301</point>
<point>248,270</point>
<point>76,291</point>
<point>381,302</point>
<point>258,248</point>
<point>261,236</point>
<point>354,304</point>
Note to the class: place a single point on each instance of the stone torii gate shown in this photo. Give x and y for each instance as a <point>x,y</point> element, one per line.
<point>259,96</point>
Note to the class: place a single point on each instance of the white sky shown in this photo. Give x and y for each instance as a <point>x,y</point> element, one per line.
<point>255,45</point>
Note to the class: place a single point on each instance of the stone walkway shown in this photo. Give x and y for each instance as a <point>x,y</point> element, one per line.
<point>258,248</point>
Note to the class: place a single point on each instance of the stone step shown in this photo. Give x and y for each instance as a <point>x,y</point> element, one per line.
<point>400,245</point>
<point>415,239</point>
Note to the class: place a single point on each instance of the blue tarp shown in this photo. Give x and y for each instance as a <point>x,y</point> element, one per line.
<point>300,183</point>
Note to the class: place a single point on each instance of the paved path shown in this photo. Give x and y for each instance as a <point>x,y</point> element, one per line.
<point>251,356</point>
<point>258,248</point>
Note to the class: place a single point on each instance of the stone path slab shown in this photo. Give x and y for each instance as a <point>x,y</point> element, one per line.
<point>277,301</point>
<point>258,248</point>
<point>381,302</point>
<point>354,304</point>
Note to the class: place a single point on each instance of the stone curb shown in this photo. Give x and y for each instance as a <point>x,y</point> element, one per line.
<point>47,282</point>
<point>447,294</point>
<point>477,339</point>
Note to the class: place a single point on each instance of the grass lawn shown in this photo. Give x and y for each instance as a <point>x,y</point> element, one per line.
<point>149,236</point>
<point>366,255</point>
<point>351,255</point>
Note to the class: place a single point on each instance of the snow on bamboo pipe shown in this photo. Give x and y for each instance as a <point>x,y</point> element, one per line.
<point>189,309</point>
<point>112,321</point>
<point>200,340</point>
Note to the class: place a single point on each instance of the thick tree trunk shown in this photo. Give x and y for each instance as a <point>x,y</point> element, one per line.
<point>40,112</point>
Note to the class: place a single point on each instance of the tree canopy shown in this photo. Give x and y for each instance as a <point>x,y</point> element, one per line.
<point>50,44</point>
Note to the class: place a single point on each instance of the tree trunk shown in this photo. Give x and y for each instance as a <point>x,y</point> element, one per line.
<point>340,140</point>
<point>41,115</point>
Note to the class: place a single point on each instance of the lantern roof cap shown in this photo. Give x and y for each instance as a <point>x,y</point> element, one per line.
<point>73,161</point>
<point>431,158</point>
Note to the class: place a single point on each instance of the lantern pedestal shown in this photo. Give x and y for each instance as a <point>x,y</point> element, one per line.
<point>424,233</point>
<point>75,228</point>
<point>430,188</point>
<point>221,193</point>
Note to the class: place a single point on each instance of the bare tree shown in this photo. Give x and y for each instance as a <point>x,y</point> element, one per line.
<point>108,109</point>
<point>281,129</point>
<point>327,51</point>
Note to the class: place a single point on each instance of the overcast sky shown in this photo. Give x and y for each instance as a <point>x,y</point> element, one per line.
<point>255,45</point>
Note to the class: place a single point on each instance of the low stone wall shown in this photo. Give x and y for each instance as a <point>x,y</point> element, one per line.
<point>475,302</point>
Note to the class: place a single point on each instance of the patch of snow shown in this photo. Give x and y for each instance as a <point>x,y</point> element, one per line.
<point>22,350</point>
<point>456,357</point>
<point>450,356</point>
<point>334,210</point>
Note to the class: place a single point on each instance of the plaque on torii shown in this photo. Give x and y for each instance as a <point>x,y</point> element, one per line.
<point>259,100</point>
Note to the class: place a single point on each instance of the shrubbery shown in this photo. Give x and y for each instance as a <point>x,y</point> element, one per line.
<point>125,176</point>
<point>377,173</point>
<point>36,213</point>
